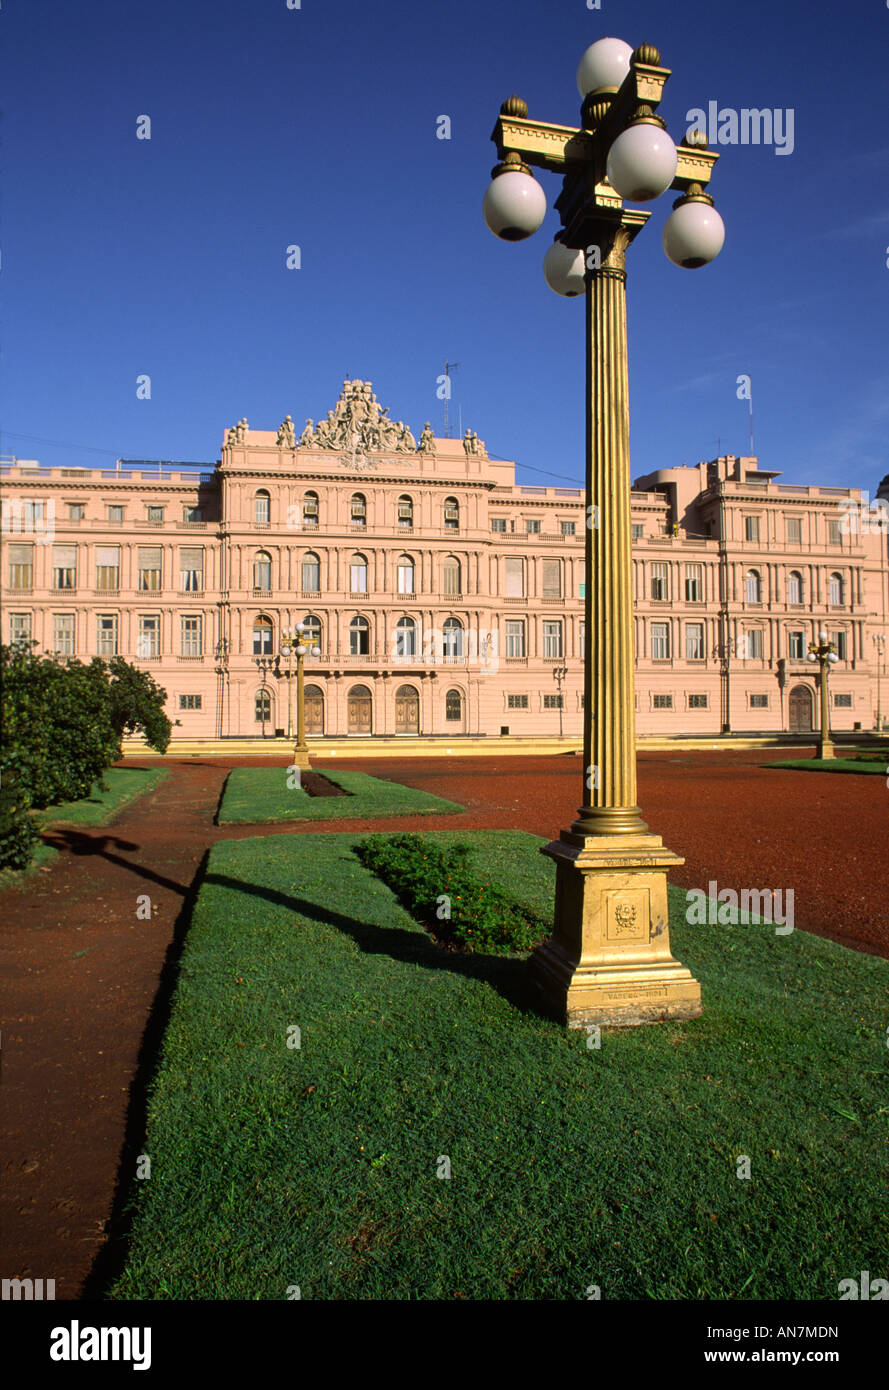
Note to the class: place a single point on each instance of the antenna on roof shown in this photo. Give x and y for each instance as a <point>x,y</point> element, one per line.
<point>448,368</point>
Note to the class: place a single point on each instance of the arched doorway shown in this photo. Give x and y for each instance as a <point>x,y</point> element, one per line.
<point>800,709</point>
<point>313,697</point>
<point>407,710</point>
<point>359,702</point>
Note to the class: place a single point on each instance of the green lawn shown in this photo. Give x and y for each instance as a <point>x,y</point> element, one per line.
<point>259,795</point>
<point>879,769</point>
<point>123,785</point>
<point>571,1166</point>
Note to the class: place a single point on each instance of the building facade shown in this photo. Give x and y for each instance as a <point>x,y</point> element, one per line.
<point>446,600</point>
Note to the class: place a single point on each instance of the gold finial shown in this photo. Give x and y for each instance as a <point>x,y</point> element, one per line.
<point>512,163</point>
<point>514,106</point>
<point>594,110</point>
<point>648,54</point>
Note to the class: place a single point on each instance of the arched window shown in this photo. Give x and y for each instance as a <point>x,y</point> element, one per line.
<point>453,706</point>
<point>262,506</point>
<point>835,590</point>
<point>263,707</point>
<point>754,587</point>
<point>262,571</point>
<point>405,637</point>
<point>359,637</point>
<point>359,509</point>
<point>794,587</point>
<point>405,511</point>
<point>405,575</point>
<point>358,574</point>
<point>451,514</point>
<point>451,575</point>
<point>310,509</point>
<point>312,634</point>
<point>262,637</point>
<point>311,573</point>
<point>453,639</point>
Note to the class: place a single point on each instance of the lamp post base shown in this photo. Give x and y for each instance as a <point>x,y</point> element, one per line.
<point>301,759</point>
<point>608,960</point>
<point>826,750</point>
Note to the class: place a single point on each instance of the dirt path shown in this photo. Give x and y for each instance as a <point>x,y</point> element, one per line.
<point>87,983</point>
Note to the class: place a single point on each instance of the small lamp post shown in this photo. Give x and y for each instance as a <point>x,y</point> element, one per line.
<point>824,652</point>
<point>221,654</point>
<point>559,674</point>
<point>295,645</point>
<point>263,664</point>
<point>879,641</point>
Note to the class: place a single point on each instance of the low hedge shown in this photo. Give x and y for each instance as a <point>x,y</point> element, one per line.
<point>438,888</point>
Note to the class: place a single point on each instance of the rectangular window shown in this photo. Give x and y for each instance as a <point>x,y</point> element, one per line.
<point>834,535</point>
<point>63,633</point>
<point>190,513</point>
<point>517,702</point>
<point>569,528</point>
<point>149,564</point>
<point>697,701</point>
<point>19,627</point>
<point>694,583</point>
<point>261,509</point>
<point>108,567</point>
<point>794,530</point>
<point>191,568</point>
<point>637,530</point>
<point>358,579</point>
<point>553,701</point>
<point>76,511</point>
<point>311,574</point>
<point>659,582</point>
<point>581,591</point>
<point>191,636</point>
<point>751,528</point>
<point>758,701</point>
<point>498,523</point>
<point>694,641</point>
<point>796,646</point>
<point>406,578</point>
<point>515,577</point>
<point>552,579</point>
<point>115,514</point>
<point>189,701</point>
<point>155,513</point>
<point>839,641</point>
<point>552,639</point>
<point>515,638</point>
<point>532,526</point>
<point>660,642</point>
<point>64,566</point>
<point>106,625</point>
<point>754,643</point>
<point>842,701</point>
<point>149,641</point>
<point>663,701</point>
<point>21,566</point>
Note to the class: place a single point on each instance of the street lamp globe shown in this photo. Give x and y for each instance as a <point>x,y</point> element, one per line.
<point>823,635</point>
<point>514,204</point>
<point>693,233</point>
<point>301,650</point>
<point>642,162</point>
<point>315,651</point>
<point>832,657</point>
<point>603,66</point>
<point>812,656</point>
<point>565,270</point>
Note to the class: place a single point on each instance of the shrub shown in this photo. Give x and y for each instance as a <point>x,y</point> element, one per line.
<point>17,829</point>
<point>482,918</point>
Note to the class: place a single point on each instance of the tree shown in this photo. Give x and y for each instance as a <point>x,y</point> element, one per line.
<point>137,703</point>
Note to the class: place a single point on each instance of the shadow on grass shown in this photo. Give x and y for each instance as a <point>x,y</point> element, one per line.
<point>508,975</point>
<point>111,1259</point>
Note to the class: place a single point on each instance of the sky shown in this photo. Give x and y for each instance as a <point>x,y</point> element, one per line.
<point>316,126</point>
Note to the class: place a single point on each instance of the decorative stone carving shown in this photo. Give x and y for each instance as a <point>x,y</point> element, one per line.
<point>471,443</point>
<point>285,433</point>
<point>358,426</point>
<point>427,440</point>
<point>238,434</point>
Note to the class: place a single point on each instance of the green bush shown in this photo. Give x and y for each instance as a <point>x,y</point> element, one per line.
<point>481,916</point>
<point>17,829</point>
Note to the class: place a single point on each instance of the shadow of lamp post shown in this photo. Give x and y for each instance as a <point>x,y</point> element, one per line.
<point>825,653</point>
<point>608,960</point>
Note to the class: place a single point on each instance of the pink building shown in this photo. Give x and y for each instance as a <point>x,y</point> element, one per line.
<point>445,599</point>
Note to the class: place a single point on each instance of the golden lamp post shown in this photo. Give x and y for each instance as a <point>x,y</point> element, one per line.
<point>294,645</point>
<point>879,641</point>
<point>825,653</point>
<point>608,960</point>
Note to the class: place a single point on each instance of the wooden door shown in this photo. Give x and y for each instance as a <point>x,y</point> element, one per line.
<point>800,710</point>
<point>314,708</point>
<point>359,710</point>
<point>407,710</point>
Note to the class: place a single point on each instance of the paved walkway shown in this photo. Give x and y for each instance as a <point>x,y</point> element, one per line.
<point>87,983</point>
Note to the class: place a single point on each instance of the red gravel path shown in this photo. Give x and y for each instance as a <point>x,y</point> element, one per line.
<point>86,984</point>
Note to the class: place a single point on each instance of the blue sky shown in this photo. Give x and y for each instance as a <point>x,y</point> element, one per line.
<point>317,127</point>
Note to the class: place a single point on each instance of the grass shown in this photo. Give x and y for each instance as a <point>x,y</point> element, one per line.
<point>571,1165</point>
<point>260,795</point>
<point>123,785</point>
<point>878,768</point>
